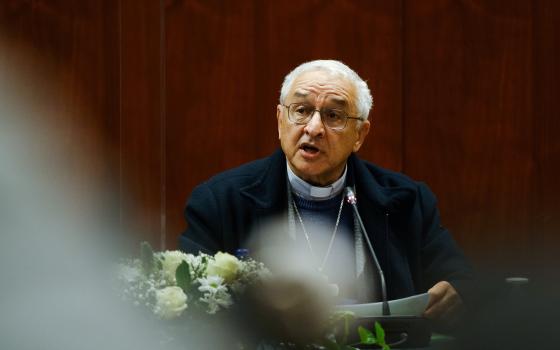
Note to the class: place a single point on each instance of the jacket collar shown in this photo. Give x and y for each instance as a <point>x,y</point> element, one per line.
<point>269,191</point>
<point>371,185</point>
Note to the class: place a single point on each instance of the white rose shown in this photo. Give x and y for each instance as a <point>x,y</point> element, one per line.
<point>170,302</point>
<point>224,265</point>
<point>170,260</point>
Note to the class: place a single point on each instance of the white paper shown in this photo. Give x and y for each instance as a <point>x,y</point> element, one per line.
<point>409,306</point>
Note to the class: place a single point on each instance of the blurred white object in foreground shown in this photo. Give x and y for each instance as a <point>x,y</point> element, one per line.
<point>56,258</point>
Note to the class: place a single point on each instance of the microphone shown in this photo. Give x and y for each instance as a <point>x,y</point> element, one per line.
<point>401,331</point>
<point>351,199</point>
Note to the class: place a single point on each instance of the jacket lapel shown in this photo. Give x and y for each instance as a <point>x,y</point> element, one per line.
<point>268,193</point>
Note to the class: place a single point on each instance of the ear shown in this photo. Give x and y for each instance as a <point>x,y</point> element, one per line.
<point>280,120</point>
<point>362,133</point>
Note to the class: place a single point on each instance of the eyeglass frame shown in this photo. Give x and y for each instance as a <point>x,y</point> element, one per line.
<point>321,115</point>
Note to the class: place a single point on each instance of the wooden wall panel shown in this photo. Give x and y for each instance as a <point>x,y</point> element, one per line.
<point>225,62</point>
<point>210,99</point>
<point>546,124</point>
<point>470,129</point>
<point>142,119</point>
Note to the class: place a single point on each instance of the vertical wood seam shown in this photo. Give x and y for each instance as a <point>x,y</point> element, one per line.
<point>120,111</point>
<point>162,125</point>
<point>403,95</point>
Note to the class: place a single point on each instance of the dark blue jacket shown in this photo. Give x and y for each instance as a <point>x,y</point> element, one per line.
<point>399,214</point>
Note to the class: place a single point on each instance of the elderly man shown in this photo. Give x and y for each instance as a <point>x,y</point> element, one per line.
<point>322,122</point>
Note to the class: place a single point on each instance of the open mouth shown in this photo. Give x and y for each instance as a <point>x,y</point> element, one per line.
<point>309,148</point>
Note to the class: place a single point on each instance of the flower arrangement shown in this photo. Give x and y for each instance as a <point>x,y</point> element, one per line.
<point>170,282</point>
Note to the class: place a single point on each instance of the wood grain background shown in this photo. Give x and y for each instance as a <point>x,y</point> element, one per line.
<point>465,100</point>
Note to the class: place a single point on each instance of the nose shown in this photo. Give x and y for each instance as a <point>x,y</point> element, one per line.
<point>315,127</point>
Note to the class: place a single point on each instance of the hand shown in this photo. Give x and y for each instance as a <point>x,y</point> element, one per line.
<point>445,303</point>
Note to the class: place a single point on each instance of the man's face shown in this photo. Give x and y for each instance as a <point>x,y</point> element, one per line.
<point>314,152</point>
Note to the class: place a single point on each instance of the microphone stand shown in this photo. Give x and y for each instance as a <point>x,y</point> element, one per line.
<point>351,199</point>
<point>401,331</point>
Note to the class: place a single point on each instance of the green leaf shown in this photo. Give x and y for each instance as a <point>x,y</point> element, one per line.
<point>183,276</point>
<point>379,333</point>
<point>147,257</point>
<point>366,337</point>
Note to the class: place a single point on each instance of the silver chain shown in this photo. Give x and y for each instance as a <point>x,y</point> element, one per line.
<point>328,252</point>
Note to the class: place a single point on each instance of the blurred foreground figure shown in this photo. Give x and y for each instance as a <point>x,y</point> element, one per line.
<point>322,122</point>
<point>295,302</point>
<point>57,252</point>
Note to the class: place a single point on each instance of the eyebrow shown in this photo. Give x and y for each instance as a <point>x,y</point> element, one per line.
<point>337,100</point>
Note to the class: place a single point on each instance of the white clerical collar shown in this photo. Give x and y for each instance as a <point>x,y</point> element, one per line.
<point>310,192</point>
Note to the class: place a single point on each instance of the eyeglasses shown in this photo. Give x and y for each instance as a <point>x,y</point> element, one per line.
<point>301,113</point>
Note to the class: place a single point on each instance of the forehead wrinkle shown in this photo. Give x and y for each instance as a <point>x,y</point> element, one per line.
<point>338,90</point>
<point>323,99</point>
<point>335,94</point>
<point>301,93</point>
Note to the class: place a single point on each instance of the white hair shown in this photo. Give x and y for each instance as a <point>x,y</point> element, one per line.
<point>364,101</point>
